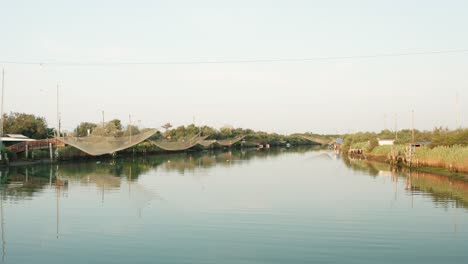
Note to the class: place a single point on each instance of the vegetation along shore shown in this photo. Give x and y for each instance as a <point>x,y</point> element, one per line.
<point>439,148</point>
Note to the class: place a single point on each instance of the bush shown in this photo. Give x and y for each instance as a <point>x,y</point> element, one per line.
<point>372,144</point>
<point>8,153</point>
<point>386,150</point>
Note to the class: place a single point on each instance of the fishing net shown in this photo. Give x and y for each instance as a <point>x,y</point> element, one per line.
<point>206,143</point>
<point>320,141</point>
<point>229,142</point>
<point>98,145</point>
<point>223,143</point>
<point>178,145</point>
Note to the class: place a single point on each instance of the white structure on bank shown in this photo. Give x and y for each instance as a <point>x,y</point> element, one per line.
<point>386,142</point>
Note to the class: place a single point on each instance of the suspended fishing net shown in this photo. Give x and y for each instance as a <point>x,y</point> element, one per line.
<point>320,141</point>
<point>229,142</point>
<point>223,143</point>
<point>178,145</point>
<point>98,145</point>
<point>206,143</point>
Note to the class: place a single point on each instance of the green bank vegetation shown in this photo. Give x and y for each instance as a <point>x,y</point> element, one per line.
<point>448,148</point>
<point>37,128</point>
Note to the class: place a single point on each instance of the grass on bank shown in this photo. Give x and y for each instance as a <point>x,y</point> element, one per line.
<point>454,158</point>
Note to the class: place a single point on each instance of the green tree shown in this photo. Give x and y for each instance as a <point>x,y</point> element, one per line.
<point>133,129</point>
<point>117,124</point>
<point>373,142</point>
<point>109,129</point>
<point>82,129</point>
<point>25,124</point>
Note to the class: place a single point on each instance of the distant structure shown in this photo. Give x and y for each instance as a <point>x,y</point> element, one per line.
<point>419,144</point>
<point>11,139</point>
<point>386,142</point>
<point>337,144</point>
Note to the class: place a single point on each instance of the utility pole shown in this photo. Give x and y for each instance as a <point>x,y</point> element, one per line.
<point>102,118</point>
<point>396,133</point>
<point>457,111</point>
<point>1,109</point>
<point>58,112</point>
<point>412,125</point>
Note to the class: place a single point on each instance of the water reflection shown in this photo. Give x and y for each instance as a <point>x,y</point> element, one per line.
<point>254,199</point>
<point>22,182</point>
<point>444,191</point>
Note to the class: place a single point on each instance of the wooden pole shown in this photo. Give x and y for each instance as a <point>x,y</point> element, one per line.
<point>50,152</point>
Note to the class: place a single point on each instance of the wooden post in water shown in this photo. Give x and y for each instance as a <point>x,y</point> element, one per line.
<point>50,152</point>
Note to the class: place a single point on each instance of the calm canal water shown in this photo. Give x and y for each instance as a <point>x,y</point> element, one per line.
<point>275,206</point>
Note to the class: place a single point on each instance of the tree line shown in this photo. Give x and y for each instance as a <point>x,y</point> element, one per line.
<point>36,127</point>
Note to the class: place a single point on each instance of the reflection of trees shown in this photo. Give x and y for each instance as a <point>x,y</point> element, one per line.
<point>442,189</point>
<point>361,165</point>
<point>23,182</point>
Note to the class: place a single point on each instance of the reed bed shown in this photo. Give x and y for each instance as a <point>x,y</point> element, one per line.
<point>384,151</point>
<point>454,158</point>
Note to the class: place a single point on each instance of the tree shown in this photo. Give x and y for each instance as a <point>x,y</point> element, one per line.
<point>25,124</point>
<point>166,127</point>
<point>109,129</point>
<point>134,129</point>
<point>82,129</point>
<point>373,142</point>
<point>117,124</point>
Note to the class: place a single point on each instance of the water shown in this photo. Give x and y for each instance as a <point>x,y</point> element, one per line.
<point>274,206</point>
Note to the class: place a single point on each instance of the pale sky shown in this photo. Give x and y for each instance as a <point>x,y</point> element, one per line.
<point>322,96</point>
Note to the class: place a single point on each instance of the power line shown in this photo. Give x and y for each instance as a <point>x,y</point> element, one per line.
<point>122,63</point>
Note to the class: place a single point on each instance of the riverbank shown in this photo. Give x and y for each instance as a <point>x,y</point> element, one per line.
<point>446,161</point>
<point>71,154</point>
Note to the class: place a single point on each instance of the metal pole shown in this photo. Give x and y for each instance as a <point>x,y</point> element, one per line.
<point>412,124</point>
<point>1,108</point>
<point>58,113</point>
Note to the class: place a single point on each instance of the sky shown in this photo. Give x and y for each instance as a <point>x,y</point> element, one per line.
<point>81,45</point>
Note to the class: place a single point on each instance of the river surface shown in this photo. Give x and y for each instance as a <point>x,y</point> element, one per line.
<point>252,206</point>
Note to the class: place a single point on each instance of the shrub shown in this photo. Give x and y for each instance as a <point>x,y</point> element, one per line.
<point>8,153</point>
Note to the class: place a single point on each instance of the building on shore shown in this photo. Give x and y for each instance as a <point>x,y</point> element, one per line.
<point>386,142</point>
<point>413,146</point>
<point>11,139</point>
